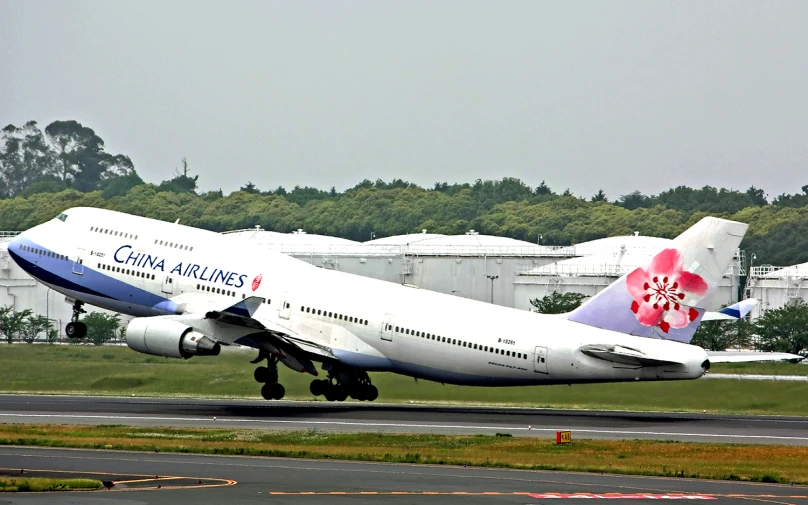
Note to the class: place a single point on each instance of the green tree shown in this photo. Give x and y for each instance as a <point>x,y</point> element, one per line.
<point>181,182</point>
<point>600,196</point>
<point>634,200</point>
<point>25,158</point>
<point>12,322</point>
<point>558,303</point>
<point>35,327</point>
<point>101,327</point>
<point>250,188</point>
<point>784,329</point>
<point>720,335</point>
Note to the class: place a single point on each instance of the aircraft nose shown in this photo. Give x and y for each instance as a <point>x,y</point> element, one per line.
<point>15,243</point>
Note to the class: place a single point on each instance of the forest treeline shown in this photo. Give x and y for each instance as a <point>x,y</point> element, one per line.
<point>43,172</point>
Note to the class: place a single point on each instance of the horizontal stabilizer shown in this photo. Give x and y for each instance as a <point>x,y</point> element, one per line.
<point>735,311</point>
<point>623,355</point>
<point>751,357</point>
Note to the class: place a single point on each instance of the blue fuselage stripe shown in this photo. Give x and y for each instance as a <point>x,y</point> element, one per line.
<point>60,273</point>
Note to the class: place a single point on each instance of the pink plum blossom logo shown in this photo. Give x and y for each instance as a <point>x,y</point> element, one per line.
<point>257,281</point>
<point>662,293</point>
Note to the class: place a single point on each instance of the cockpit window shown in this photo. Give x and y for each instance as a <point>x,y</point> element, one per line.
<point>62,217</point>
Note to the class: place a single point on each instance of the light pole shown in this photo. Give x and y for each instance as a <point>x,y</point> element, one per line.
<point>492,278</point>
<point>538,242</point>
<point>372,235</point>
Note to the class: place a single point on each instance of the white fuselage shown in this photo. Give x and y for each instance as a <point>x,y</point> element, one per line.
<point>145,267</point>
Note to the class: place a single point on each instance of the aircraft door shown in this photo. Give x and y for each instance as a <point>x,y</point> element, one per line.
<point>78,263</point>
<point>168,284</point>
<point>540,360</point>
<point>285,308</point>
<point>387,327</point>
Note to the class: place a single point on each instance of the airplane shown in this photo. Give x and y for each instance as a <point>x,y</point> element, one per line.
<point>193,291</point>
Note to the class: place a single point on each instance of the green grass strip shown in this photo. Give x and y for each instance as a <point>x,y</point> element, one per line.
<point>109,370</point>
<point>761,463</point>
<point>39,484</point>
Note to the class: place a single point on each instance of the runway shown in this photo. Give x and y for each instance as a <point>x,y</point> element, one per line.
<point>394,418</point>
<point>233,479</point>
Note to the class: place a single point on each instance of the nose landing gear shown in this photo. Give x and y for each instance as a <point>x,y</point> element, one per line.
<point>75,328</point>
<point>272,389</point>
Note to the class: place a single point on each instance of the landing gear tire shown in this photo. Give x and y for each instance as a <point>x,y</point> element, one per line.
<point>318,387</point>
<point>342,383</point>
<point>273,391</point>
<point>340,393</point>
<point>76,330</point>
<point>261,374</point>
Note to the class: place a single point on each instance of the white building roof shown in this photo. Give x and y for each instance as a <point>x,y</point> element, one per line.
<point>403,239</point>
<point>299,238</point>
<point>606,265</point>
<point>793,272</point>
<point>629,243</point>
<point>422,244</point>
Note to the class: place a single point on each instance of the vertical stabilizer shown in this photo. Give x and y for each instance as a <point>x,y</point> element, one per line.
<point>666,298</point>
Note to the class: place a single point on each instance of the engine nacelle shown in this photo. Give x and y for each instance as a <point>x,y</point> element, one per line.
<point>169,338</point>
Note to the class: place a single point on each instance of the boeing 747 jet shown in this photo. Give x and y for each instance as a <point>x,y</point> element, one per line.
<point>193,291</point>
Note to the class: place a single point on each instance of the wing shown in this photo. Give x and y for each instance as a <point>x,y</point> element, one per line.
<point>292,349</point>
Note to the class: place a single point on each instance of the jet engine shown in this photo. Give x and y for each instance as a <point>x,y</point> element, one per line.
<point>169,338</point>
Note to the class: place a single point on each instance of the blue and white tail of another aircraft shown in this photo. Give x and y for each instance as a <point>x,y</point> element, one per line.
<point>194,291</point>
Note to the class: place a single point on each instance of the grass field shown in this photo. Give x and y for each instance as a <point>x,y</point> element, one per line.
<point>712,461</point>
<point>112,370</point>
<point>29,484</point>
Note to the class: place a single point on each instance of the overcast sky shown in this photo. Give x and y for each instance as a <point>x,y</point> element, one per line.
<point>619,95</point>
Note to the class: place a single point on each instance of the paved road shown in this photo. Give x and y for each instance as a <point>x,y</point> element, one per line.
<point>307,482</point>
<point>401,418</point>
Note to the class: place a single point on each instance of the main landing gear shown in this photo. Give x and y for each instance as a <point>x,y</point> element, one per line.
<point>74,328</point>
<point>272,389</point>
<point>341,384</point>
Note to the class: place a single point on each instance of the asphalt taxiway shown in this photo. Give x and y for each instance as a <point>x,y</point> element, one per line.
<point>179,479</point>
<point>394,418</point>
